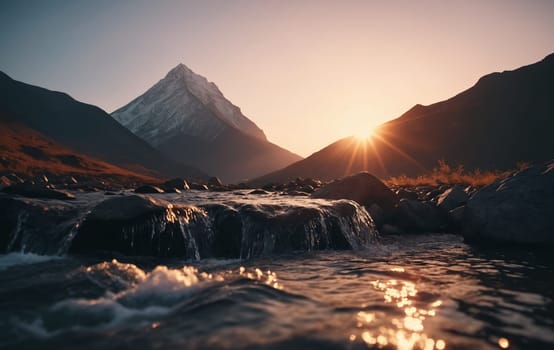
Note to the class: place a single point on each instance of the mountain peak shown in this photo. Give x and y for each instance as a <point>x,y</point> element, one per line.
<point>180,70</point>
<point>184,102</point>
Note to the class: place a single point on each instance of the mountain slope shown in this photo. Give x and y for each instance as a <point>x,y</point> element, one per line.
<point>83,128</point>
<point>188,119</point>
<point>27,152</point>
<point>504,118</point>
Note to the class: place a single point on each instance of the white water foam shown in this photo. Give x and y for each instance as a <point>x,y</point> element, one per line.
<point>15,258</point>
<point>148,297</point>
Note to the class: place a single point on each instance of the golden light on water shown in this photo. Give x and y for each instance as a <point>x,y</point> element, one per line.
<point>404,333</point>
<point>503,343</point>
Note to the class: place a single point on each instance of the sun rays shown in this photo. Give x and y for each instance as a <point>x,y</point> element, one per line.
<point>366,152</point>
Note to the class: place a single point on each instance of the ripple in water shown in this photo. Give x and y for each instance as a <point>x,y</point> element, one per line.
<point>423,292</point>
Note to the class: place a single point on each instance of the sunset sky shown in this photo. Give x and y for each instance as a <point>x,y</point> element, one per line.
<point>307,72</point>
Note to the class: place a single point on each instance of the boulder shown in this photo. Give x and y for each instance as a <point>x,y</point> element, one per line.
<point>37,191</point>
<point>363,188</point>
<point>452,198</point>
<point>518,209</point>
<point>199,187</point>
<point>136,225</point>
<point>456,218</point>
<point>177,183</point>
<point>258,191</point>
<point>376,214</point>
<point>214,182</point>
<point>406,194</point>
<point>417,217</point>
<point>127,207</point>
<point>148,189</point>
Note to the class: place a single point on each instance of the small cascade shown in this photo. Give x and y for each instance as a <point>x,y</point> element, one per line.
<point>142,225</point>
<point>164,231</point>
<point>35,226</point>
<point>334,225</point>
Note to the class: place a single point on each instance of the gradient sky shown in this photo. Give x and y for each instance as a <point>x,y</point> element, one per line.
<point>307,72</point>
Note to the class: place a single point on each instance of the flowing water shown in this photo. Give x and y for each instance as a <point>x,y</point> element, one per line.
<point>396,292</point>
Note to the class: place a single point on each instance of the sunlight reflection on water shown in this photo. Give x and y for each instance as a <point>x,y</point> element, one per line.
<point>404,333</point>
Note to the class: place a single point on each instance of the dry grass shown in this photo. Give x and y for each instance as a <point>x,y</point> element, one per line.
<point>446,174</point>
<point>25,151</point>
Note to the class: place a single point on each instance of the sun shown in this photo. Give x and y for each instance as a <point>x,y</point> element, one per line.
<point>364,134</point>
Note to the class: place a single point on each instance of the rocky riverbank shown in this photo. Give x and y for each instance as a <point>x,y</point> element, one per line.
<point>515,210</point>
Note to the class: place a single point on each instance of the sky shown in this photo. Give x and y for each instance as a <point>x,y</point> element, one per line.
<point>307,72</point>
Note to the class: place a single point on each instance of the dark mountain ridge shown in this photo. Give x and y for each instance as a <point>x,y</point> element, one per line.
<point>84,129</point>
<point>503,119</point>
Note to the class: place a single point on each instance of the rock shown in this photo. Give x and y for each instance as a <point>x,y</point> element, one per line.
<point>35,226</point>
<point>452,198</point>
<point>171,190</point>
<point>388,229</point>
<point>296,193</point>
<point>363,188</point>
<point>125,208</point>
<point>227,225</point>
<point>37,191</point>
<point>135,225</point>
<point>4,181</point>
<point>214,182</point>
<point>376,214</point>
<point>418,217</point>
<point>178,183</point>
<point>405,194</point>
<point>258,191</point>
<point>307,189</point>
<point>199,187</point>
<point>148,189</point>
<point>518,209</point>
<point>455,218</point>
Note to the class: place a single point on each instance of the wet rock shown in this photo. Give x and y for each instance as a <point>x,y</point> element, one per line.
<point>296,193</point>
<point>135,225</point>
<point>455,218</point>
<point>376,214</point>
<point>405,194</point>
<point>128,207</point>
<point>171,190</point>
<point>307,189</point>
<point>275,229</point>
<point>452,198</point>
<point>178,183</point>
<point>363,188</point>
<point>37,191</point>
<point>4,181</point>
<point>227,225</point>
<point>214,182</point>
<point>148,189</point>
<point>28,225</point>
<point>258,191</point>
<point>199,187</point>
<point>518,209</point>
<point>417,217</point>
<point>388,229</point>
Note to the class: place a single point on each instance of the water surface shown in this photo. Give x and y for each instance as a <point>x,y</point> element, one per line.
<point>414,292</point>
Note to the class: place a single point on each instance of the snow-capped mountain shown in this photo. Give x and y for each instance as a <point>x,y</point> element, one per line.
<point>187,117</point>
<point>186,103</point>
